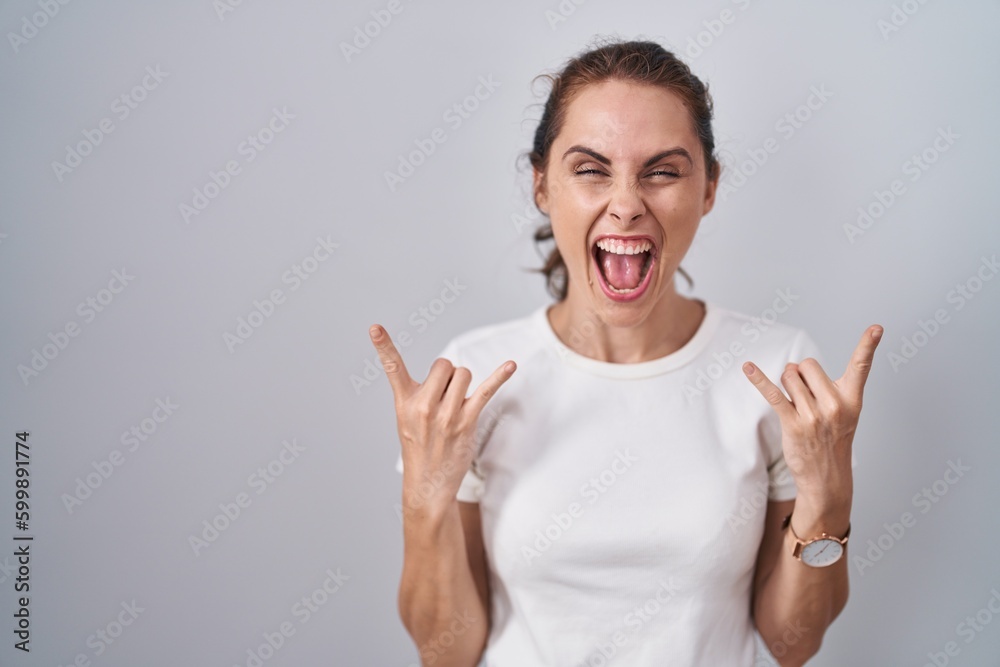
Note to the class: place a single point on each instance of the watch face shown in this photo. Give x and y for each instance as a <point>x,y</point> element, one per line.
<point>822,553</point>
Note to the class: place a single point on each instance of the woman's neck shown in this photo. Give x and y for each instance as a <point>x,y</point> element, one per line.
<point>630,335</point>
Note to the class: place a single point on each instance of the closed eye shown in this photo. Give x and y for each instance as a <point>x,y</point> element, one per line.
<point>588,172</point>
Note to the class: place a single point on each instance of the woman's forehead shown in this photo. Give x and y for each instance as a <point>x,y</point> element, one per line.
<point>621,116</point>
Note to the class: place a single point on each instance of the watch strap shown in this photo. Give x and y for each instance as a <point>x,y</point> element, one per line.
<point>800,543</point>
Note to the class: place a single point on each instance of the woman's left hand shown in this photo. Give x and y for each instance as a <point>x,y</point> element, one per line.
<point>818,423</point>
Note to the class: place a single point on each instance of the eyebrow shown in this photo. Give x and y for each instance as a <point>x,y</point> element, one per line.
<point>650,162</point>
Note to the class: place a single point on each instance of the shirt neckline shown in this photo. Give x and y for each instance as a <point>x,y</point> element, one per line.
<point>642,369</point>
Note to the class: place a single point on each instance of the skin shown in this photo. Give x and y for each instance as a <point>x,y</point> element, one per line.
<point>443,596</point>
<point>627,124</point>
<point>445,568</point>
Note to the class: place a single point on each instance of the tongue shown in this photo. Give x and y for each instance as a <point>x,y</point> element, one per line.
<point>621,271</point>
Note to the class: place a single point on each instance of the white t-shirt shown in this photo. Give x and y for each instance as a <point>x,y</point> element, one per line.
<point>623,504</point>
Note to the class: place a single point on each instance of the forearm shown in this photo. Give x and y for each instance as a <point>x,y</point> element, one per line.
<point>797,602</point>
<point>438,600</point>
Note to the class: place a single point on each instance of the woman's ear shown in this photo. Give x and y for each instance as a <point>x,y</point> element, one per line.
<point>710,188</point>
<point>540,191</point>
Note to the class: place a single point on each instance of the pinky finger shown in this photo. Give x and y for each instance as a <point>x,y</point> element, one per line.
<point>485,391</point>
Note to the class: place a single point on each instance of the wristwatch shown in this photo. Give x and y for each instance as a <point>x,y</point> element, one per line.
<point>819,551</point>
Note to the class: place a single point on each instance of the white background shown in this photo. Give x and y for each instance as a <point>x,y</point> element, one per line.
<point>454,218</point>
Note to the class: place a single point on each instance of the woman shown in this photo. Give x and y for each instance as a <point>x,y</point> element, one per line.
<point>625,497</point>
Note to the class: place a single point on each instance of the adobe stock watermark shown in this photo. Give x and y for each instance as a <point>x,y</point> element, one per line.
<point>365,33</point>
<point>436,648</point>
<point>121,107</point>
<point>455,116</point>
<point>792,633</point>
<point>264,309</point>
<point>755,502</point>
<point>752,331</point>
<point>131,439</point>
<point>735,176</point>
<point>579,331</point>
<point>582,329</point>
<point>561,12</point>
<point>924,500</point>
<point>431,482</point>
<point>302,611</point>
<point>899,16</point>
<point>713,29</point>
<point>915,167</point>
<point>592,491</point>
<point>526,218</point>
<point>223,7</point>
<point>107,635</point>
<point>421,319</point>
<point>32,23</point>
<point>59,340</point>
<point>968,629</point>
<point>529,214</point>
<point>248,150</point>
<point>634,620</point>
<point>6,569</point>
<point>961,294</point>
<point>230,511</point>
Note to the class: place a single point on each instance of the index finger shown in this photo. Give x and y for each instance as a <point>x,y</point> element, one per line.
<point>485,391</point>
<point>392,362</point>
<point>860,365</point>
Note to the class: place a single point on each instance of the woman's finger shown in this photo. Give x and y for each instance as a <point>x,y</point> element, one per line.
<point>800,395</point>
<point>860,365</point>
<point>454,395</point>
<point>392,363</point>
<point>438,379</point>
<point>485,391</point>
<point>769,391</point>
<point>819,383</point>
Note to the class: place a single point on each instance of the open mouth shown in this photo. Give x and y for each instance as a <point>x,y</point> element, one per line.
<point>623,265</point>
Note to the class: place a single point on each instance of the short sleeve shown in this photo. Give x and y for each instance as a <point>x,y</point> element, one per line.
<point>471,489</point>
<point>780,482</point>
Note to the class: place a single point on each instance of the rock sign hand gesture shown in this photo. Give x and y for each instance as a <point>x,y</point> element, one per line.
<point>819,422</point>
<point>436,422</point>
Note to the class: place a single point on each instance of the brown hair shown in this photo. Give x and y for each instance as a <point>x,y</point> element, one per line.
<point>633,61</point>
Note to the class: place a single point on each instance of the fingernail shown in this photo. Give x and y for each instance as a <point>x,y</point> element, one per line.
<point>375,332</point>
<point>748,368</point>
<point>509,367</point>
<point>877,334</point>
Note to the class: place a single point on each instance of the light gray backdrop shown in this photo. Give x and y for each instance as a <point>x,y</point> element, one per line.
<point>169,169</point>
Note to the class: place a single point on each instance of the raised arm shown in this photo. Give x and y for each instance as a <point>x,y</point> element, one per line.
<point>795,602</point>
<point>443,593</point>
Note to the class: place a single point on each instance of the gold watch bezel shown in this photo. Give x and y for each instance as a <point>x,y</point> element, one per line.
<point>801,544</point>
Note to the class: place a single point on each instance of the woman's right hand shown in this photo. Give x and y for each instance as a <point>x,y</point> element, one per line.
<point>436,423</point>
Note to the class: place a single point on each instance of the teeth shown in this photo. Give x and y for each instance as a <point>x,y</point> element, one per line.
<point>620,247</point>
<point>623,247</point>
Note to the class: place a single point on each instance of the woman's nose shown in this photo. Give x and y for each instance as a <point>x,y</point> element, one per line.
<point>626,205</point>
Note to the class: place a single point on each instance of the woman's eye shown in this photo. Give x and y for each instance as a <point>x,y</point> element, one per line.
<point>598,172</point>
